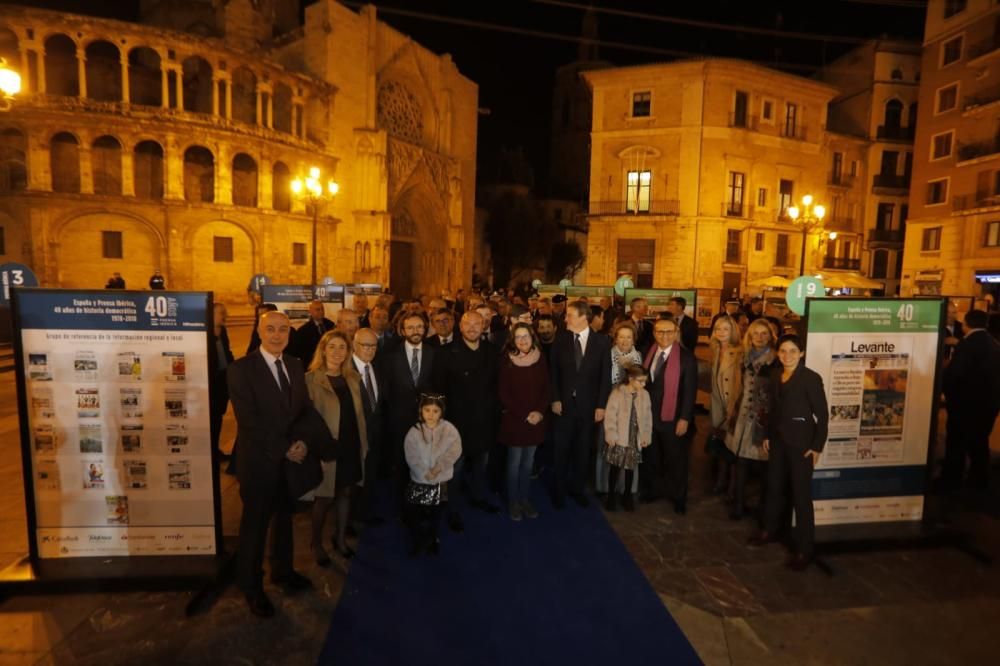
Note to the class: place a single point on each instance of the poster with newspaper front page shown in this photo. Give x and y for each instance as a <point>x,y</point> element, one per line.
<point>113,389</point>
<point>878,359</point>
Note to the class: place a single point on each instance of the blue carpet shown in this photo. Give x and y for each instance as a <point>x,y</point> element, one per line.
<point>558,590</point>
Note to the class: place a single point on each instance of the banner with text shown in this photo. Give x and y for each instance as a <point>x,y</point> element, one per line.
<point>294,299</point>
<point>878,359</point>
<point>114,394</point>
<point>592,295</point>
<point>658,299</point>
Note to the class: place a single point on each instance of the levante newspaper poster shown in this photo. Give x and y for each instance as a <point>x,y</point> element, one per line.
<point>116,385</point>
<point>878,359</point>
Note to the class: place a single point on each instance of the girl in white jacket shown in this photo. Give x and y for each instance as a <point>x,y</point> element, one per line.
<point>432,448</point>
<point>628,428</point>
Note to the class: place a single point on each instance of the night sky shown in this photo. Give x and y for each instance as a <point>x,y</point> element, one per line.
<point>515,70</point>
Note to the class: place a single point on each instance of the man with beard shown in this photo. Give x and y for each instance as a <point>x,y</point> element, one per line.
<point>466,371</point>
<point>545,326</point>
<point>409,371</point>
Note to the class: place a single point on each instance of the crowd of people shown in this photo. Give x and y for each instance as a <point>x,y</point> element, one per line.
<point>453,405</point>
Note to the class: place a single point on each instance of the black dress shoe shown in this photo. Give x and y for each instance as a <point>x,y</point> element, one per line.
<point>260,605</point>
<point>581,499</point>
<point>798,562</point>
<point>292,581</point>
<point>455,523</point>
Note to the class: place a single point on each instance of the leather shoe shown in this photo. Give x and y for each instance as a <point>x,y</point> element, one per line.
<point>760,539</point>
<point>292,581</point>
<point>581,499</point>
<point>798,562</point>
<point>455,523</point>
<point>260,605</point>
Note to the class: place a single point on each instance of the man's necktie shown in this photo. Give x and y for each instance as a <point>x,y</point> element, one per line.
<point>415,366</point>
<point>578,352</point>
<point>661,360</point>
<point>286,388</point>
<point>369,386</point>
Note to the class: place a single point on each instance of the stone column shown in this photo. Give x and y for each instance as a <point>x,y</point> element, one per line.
<point>302,114</point>
<point>223,176</point>
<point>86,170</point>
<point>270,110</point>
<point>179,81</point>
<point>128,173</point>
<point>215,94</point>
<point>295,119</point>
<point>164,86</point>
<point>41,70</point>
<point>81,70</point>
<point>260,117</point>
<point>174,169</point>
<point>25,71</point>
<point>126,93</point>
<point>229,98</point>
<point>265,184</point>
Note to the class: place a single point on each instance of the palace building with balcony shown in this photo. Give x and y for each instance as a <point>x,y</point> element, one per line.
<point>953,237</point>
<point>172,143</point>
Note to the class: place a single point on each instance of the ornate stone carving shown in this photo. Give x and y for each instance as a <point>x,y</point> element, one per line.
<point>400,113</point>
<point>403,159</point>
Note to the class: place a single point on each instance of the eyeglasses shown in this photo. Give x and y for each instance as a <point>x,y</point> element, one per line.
<point>665,331</point>
<point>367,345</point>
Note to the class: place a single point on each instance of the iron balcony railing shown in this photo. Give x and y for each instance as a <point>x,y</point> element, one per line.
<point>743,120</point>
<point>894,236</point>
<point>891,181</point>
<point>841,180</point>
<point>653,207</point>
<point>971,151</point>
<point>841,263</point>
<point>894,133</point>
<point>981,98</point>
<point>797,132</point>
<point>974,200</point>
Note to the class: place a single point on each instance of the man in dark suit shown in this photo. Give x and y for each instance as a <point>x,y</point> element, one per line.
<point>378,321</point>
<point>673,385</point>
<point>220,357</point>
<point>360,306</point>
<point>466,371</point>
<point>374,404</point>
<point>687,325</point>
<point>443,323</point>
<point>643,328</point>
<point>308,334</point>
<point>972,394</point>
<point>952,331</point>
<point>268,391</point>
<point>580,388</point>
<point>409,370</point>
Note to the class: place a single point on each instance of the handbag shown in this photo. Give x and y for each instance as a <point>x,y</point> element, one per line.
<point>424,494</point>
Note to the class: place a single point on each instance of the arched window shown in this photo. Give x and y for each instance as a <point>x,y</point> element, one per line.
<point>244,96</point>
<point>104,71</point>
<point>400,112</point>
<point>282,108</point>
<point>197,85</point>
<point>366,260</point>
<point>106,163</point>
<point>13,164</point>
<point>61,74</point>
<point>281,187</point>
<point>145,84</point>
<point>893,114</point>
<point>199,174</point>
<point>358,257</point>
<point>64,153</point>
<point>244,180</point>
<point>880,264</point>
<point>147,159</point>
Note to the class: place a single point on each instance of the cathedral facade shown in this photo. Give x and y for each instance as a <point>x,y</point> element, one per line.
<point>172,144</point>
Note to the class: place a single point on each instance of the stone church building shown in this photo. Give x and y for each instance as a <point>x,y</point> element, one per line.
<point>172,143</point>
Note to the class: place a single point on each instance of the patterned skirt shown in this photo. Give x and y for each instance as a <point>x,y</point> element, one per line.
<point>627,457</point>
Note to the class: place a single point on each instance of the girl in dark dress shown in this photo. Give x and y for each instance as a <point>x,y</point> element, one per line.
<point>335,389</point>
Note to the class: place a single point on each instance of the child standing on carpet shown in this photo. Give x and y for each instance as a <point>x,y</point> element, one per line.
<point>628,428</point>
<point>432,448</point>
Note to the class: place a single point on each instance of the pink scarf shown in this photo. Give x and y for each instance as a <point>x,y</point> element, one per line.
<point>671,379</point>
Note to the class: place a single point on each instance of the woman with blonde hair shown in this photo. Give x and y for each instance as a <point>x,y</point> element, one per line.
<point>335,389</point>
<point>727,360</point>
<point>750,427</point>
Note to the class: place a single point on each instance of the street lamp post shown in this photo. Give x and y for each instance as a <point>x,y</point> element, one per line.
<point>312,191</point>
<point>809,217</point>
<point>10,85</point>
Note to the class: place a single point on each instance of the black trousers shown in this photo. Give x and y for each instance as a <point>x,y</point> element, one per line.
<point>218,400</point>
<point>968,436</point>
<point>423,521</point>
<point>264,505</point>
<point>573,433</point>
<point>665,462</point>
<point>788,466</point>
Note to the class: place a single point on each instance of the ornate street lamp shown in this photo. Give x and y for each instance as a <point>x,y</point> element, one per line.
<point>10,85</point>
<point>312,191</point>
<point>809,218</point>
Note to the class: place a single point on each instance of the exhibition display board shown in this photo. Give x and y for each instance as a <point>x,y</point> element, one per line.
<point>879,360</point>
<point>113,392</point>
<point>549,290</point>
<point>371,290</point>
<point>658,299</point>
<point>592,295</point>
<point>294,299</point>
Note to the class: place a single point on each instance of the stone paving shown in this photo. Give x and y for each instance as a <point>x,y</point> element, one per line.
<point>736,605</point>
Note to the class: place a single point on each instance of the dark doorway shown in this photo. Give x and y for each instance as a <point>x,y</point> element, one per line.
<point>401,269</point>
<point>730,286</point>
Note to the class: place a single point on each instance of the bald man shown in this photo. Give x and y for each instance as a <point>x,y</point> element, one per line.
<point>347,322</point>
<point>268,392</point>
<point>308,334</point>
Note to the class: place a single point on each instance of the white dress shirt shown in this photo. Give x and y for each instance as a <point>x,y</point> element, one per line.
<point>360,365</point>
<point>271,358</point>
<point>665,351</point>
<point>584,336</point>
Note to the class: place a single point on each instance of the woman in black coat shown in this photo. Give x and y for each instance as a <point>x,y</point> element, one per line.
<point>797,428</point>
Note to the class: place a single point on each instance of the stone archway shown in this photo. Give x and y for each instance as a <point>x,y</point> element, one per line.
<point>92,246</point>
<point>419,239</point>
<point>223,259</point>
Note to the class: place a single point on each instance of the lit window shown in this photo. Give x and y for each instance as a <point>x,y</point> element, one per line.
<point>992,234</point>
<point>641,104</point>
<point>637,200</point>
<point>931,240</point>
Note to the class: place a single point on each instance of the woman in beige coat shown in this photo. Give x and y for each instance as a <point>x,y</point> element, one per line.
<point>727,364</point>
<point>335,389</point>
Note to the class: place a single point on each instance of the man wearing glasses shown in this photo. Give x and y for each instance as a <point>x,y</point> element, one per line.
<point>373,402</point>
<point>673,385</point>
